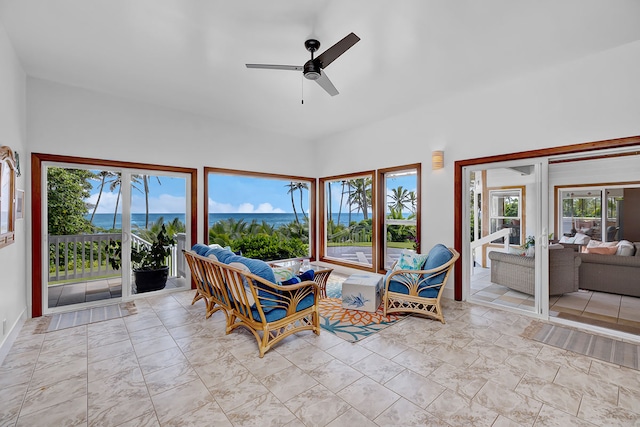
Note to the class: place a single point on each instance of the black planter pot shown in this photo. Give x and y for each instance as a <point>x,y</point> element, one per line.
<point>151,280</point>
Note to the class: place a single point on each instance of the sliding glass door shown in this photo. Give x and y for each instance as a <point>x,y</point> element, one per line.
<point>96,217</point>
<point>507,244</point>
<point>79,237</point>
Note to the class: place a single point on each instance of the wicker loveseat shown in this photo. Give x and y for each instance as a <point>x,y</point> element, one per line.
<point>517,272</point>
<point>246,292</point>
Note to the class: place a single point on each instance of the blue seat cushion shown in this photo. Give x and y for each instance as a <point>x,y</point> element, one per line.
<point>200,249</point>
<point>256,266</point>
<point>438,255</point>
<point>279,313</point>
<point>223,255</point>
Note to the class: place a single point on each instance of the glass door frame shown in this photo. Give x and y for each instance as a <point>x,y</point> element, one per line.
<point>38,263</point>
<point>540,223</point>
<point>126,251</point>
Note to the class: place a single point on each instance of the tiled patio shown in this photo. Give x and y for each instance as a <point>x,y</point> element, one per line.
<point>619,312</point>
<point>95,290</point>
<point>167,365</point>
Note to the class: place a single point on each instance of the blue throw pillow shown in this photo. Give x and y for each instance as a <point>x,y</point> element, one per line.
<point>307,275</point>
<point>256,266</point>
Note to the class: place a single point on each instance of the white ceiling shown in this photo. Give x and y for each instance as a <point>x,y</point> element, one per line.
<point>190,54</point>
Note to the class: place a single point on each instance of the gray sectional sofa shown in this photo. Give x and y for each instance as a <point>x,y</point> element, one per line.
<point>614,274</point>
<point>569,270</point>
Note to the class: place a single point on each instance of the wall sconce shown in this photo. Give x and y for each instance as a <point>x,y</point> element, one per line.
<point>437,160</point>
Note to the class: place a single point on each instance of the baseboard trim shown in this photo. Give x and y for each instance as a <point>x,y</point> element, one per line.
<point>6,344</point>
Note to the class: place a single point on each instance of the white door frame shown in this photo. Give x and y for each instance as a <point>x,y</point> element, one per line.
<point>541,223</point>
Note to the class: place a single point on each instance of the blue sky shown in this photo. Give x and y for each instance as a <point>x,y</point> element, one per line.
<point>168,196</point>
<point>233,193</point>
<point>228,194</point>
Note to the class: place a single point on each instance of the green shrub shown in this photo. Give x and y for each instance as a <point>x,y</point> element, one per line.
<point>270,248</point>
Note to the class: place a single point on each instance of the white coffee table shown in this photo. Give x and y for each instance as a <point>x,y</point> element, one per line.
<point>362,291</point>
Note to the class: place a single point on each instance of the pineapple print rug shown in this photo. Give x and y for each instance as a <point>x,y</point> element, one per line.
<point>352,325</point>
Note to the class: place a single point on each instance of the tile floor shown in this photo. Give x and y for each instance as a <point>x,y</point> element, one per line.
<point>596,308</point>
<point>167,365</point>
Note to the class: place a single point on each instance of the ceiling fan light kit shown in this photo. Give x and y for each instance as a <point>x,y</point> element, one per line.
<point>313,68</point>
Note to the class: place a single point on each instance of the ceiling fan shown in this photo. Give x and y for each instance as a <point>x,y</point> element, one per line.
<point>313,68</point>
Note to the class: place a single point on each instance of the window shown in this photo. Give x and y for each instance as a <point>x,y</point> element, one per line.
<point>348,218</point>
<point>7,196</point>
<point>505,211</point>
<point>400,228</point>
<point>581,211</point>
<point>368,218</point>
<point>264,216</point>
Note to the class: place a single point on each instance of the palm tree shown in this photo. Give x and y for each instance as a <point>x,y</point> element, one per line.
<point>292,188</point>
<point>145,181</point>
<point>112,187</point>
<point>117,183</point>
<point>103,175</point>
<point>341,200</point>
<point>302,186</point>
<point>399,199</point>
<point>361,196</point>
<point>413,200</point>
<point>149,233</point>
<point>330,213</point>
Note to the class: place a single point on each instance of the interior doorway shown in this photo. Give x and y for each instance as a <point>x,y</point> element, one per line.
<point>506,215</point>
<point>582,157</point>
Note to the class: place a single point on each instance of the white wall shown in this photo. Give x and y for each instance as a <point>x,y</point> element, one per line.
<point>76,122</point>
<point>13,283</point>
<point>590,99</point>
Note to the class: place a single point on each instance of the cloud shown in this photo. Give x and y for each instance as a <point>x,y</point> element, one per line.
<point>267,208</point>
<point>107,202</point>
<point>162,203</point>
<point>215,207</point>
<point>158,204</point>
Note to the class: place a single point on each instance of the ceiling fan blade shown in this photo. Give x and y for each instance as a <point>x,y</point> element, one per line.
<point>275,67</point>
<point>326,84</point>
<point>330,55</point>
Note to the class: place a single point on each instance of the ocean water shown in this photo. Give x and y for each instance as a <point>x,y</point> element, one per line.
<point>274,219</point>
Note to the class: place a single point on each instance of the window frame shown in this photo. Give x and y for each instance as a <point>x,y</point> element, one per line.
<point>265,175</point>
<point>374,220</point>
<point>8,170</point>
<point>521,211</point>
<point>603,189</point>
<point>382,175</point>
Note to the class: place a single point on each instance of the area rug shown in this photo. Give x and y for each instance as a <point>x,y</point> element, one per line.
<point>599,347</point>
<point>55,322</point>
<point>352,325</point>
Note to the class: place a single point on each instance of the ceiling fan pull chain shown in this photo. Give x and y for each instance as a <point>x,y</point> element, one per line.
<point>302,89</point>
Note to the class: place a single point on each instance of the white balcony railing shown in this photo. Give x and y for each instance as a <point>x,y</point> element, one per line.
<point>85,256</point>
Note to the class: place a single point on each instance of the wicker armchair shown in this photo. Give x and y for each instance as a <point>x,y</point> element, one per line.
<point>518,272</point>
<point>420,291</point>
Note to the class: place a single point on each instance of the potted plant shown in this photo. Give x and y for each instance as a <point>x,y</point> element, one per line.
<point>149,263</point>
